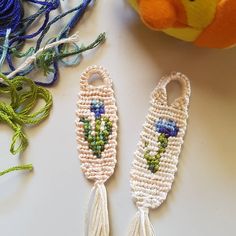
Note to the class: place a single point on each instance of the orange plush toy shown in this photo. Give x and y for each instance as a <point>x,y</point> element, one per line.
<point>207,23</point>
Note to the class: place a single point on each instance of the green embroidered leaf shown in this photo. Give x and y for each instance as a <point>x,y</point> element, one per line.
<point>99,138</point>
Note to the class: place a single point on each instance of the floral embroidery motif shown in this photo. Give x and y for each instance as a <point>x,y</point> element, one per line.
<point>97,138</point>
<point>166,129</point>
<point>97,107</point>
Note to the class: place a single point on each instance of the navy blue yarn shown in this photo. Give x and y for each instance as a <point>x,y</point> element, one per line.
<point>47,7</point>
<point>67,27</point>
<point>18,38</point>
<point>74,20</point>
<point>11,13</point>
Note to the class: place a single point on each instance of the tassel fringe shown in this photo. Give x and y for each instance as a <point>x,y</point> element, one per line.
<point>97,222</point>
<point>141,225</point>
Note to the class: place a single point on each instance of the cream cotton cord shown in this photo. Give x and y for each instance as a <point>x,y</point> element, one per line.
<point>155,161</point>
<point>96,129</point>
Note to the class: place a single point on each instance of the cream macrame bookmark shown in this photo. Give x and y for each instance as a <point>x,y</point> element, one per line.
<point>96,129</point>
<point>156,158</point>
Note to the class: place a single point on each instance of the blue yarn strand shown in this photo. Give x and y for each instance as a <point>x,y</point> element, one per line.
<point>11,13</point>
<point>80,10</point>
<point>5,48</point>
<point>19,25</point>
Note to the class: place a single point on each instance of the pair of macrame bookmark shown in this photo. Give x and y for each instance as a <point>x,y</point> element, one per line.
<point>156,158</point>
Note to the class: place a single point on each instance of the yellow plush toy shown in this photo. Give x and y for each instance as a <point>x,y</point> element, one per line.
<point>207,23</point>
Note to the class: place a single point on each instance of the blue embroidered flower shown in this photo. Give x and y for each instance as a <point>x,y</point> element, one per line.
<point>97,107</point>
<point>167,127</point>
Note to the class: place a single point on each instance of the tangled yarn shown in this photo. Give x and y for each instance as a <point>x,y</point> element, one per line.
<point>24,95</point>
<point>12,17</point>
<point>14,34</point>
<point>11,13</point>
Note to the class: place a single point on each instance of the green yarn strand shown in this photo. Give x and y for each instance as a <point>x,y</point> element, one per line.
<point>24,95</point>
<point>47,57</point>
<point>18,54</point>
<point>28,167</point>
<point>99,40</point>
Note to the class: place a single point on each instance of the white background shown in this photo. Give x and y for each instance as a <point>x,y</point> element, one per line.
<point>52,199</point>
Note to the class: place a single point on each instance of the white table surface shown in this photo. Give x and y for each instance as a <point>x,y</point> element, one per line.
<point>53,199</point>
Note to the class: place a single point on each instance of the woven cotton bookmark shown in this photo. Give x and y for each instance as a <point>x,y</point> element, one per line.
<point>156,158</point>
<point>96,125</point>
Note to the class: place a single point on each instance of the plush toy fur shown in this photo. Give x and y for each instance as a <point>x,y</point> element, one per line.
<point>207,23</point>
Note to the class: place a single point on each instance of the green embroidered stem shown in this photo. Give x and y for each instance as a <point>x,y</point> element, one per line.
<point>154,161</point>
<point>99,139</point>
<point>28,167</point>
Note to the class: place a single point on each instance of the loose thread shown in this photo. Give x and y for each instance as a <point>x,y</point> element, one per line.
<point>17,114</point>
<point>47,57</point>
<point>12,13</point>
<point>5,48</point>
<point>24,95</point>
<point>32,58</point>
<point>75,19</point>
<point>100,39</point>
<point>53,21</point>
<point>28,167</point>
<point>18,54</point>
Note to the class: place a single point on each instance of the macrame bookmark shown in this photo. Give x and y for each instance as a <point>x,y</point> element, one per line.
<point>96,126</point>
<point>156,158</point>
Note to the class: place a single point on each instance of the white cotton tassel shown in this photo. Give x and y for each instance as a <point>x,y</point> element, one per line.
<point>141,225</point>
<point>97,222</point>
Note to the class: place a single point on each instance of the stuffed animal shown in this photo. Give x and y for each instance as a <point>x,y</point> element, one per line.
<point>206,23</point>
